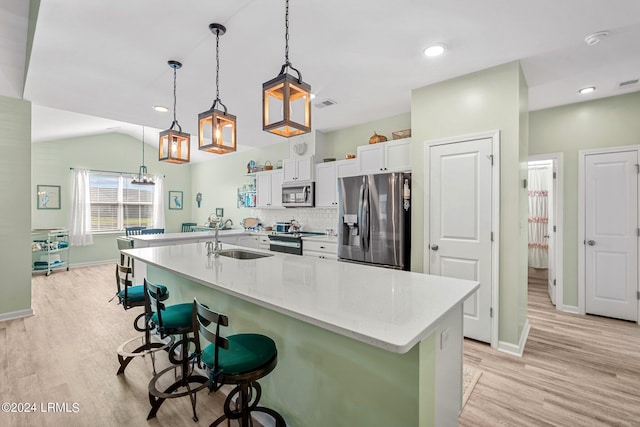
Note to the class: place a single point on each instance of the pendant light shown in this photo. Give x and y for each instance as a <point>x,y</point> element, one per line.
<point>142,178</point>
<point>286,100</point>
<point>174,145</point>
<point>216,128</point>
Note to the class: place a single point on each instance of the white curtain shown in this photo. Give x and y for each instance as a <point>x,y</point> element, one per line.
<point>158,202</point>
<point>539,183</point>
<point>80,228</point>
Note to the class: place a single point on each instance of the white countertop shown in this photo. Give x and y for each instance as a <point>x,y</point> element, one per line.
<point>185,236</point>
<point>390,309</point>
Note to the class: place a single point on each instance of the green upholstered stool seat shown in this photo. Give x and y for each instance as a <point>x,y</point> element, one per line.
<point>136,293</point>
<point>175,316</point>
<point>246,353</point>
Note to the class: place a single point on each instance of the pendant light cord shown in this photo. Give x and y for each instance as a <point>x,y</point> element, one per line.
<point>286,33</point>
<point>142,146</point>
<point>218,100</point>
<point>288,64</point>
<point>175,66</point>
<point>218,65</point>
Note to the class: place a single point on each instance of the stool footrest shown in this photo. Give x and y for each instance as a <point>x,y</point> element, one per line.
<point>125,357</point>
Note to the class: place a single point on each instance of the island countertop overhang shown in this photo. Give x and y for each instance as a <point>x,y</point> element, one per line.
<point>390,309</point>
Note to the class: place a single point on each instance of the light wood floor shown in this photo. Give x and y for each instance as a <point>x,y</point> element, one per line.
<point>66,353</point>
<point>575,371</point>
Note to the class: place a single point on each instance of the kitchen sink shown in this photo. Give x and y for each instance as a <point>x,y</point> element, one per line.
<point>242,254</point>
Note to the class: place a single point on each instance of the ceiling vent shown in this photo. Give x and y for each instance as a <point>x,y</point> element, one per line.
<point>326,103</point>
<point>628,83</point>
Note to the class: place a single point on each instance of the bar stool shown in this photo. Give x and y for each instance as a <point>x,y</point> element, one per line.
<point>239,359</point>
<point>130,295</point>
<point>187,226</point>
<point>173,320</point>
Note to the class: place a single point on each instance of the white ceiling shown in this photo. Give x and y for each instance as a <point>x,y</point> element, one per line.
<point>108,58</point>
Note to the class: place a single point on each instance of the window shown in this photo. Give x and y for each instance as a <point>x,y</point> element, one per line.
<point>116,203</point>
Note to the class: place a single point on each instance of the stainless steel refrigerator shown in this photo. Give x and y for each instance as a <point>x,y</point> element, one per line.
<point>375,219</point>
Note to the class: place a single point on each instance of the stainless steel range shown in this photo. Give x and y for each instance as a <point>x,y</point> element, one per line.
<point>288,242</point>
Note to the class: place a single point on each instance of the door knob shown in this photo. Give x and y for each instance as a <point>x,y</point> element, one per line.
<point>591,242</point>
<point>434,247</point>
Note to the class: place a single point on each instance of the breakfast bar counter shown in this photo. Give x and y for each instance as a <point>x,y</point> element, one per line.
<point>357,345</point>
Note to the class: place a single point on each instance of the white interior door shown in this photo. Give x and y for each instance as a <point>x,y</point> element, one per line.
<point>611,241</point>
<point>551,239</point>
<point>460,191</point>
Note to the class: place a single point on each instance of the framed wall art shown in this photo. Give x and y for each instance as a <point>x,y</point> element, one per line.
<point>48,196</point>
<point>175,199</point>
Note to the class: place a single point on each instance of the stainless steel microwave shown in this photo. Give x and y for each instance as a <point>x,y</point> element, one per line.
<point>298,194</point>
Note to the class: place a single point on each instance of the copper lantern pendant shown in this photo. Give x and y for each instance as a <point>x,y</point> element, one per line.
<point>286,100</point>
<point>217,128</point>
<point>174,145</point>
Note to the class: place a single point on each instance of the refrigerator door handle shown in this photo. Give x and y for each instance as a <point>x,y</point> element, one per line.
<point>360,216</point>
<point>366,220</point>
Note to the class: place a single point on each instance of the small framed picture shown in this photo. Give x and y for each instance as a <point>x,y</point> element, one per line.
<point>219,212</point>
<point>48,196</point>
<point>175,199</point>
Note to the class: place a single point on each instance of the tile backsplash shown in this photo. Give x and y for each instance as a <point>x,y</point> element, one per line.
<point>311,219</point>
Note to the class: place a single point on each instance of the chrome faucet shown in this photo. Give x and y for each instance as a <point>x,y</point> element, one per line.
<point>214,248</point>
<point>218,246</point>
<point>227,221</point>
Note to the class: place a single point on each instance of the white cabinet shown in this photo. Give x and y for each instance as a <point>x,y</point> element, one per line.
<point>264,242</point>
<point>249,241</point>
<point>298,169</point>
<point>390,156</point>
<point>326,185</point>
<point>320,249</point>
<point>327,175</point>
<point>269,189</point>
<point>347,168</point>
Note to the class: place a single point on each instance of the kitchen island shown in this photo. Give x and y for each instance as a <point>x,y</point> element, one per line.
<point>357,345</point>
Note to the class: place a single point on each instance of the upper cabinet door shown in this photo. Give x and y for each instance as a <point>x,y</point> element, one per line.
<point>305,169</point>
<point>298,169</point>
<point>276,188</point>
<point>263,190</point>
<point>290,169</point>
<point>346,168</point>
<point>326,185</point>
<point>390,156</point>
<point>397,155</point>
<point>371,158</point>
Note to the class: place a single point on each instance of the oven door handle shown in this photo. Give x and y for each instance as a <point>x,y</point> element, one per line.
<point>285,244</point>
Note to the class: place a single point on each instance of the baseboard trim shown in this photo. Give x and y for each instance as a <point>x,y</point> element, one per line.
<point>92,263</point>
<point>570,309</point>
<point>516,350</point>
<point>12,315</point>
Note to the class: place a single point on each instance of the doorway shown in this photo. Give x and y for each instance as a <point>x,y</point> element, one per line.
<point>461,222</point>
<point>545,245</point>
<point>608,232</point>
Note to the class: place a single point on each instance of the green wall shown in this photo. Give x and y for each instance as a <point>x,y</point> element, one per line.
<point>50,162</point>
<point>602,123</point>
<point>343,141</point>
<point>219,178</point>
<point>15,221</point>
<point>484,101</point>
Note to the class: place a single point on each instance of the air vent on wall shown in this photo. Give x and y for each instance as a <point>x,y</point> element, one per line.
<point>326,103</point>
<point>628,83</point>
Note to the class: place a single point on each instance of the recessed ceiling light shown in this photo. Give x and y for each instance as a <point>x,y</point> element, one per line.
<point>160,108</point>
<point>435,50</point>
<point>586,90</point>
<point>313,95</point>
<point>595,38</point>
